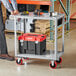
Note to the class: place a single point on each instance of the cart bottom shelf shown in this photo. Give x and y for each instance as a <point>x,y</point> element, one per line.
<point>50,55</point>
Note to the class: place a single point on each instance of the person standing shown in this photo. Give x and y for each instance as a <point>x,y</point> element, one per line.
<point>3,46</point>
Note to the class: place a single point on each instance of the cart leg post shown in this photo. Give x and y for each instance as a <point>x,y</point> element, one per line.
<point>15,35</point>
<point>52,62</point>
<point>55,43</point>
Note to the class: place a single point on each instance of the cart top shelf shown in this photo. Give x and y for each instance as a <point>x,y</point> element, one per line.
<point>44,17</point>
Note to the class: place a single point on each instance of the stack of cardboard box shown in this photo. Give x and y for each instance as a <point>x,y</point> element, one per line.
<point>42,26</point>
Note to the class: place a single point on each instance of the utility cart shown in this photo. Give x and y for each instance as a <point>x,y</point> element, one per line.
<point>55,55</point>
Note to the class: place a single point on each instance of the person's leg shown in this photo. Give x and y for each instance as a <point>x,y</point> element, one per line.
<point>3,46</point>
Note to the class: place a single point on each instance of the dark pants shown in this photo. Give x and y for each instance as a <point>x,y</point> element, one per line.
<point>3,46</point>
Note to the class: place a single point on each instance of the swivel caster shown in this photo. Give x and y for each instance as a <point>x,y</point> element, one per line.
<point>19,61</point>
<point>25,58</point>
<point>59,61</point>
<point>53,66</point>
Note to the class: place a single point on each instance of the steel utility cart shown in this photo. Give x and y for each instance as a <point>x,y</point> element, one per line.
<point>54,56</point>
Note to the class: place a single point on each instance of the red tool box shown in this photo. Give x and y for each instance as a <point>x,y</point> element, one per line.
<point>32,43</point>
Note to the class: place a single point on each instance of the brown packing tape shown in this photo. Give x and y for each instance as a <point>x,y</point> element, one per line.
<point>37,30</point>
<point>37,27</point>
<point>42,28</point>
<point>42,31</point>
<point>45,23</point>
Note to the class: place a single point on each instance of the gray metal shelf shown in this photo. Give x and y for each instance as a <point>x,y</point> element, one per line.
<point>49,55</point>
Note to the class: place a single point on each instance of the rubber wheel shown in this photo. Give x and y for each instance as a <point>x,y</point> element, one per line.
<point>59,61</point>
<point>53,66</point>
<point>19,62</point>
<point>26,58</point>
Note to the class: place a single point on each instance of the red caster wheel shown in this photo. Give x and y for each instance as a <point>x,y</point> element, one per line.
<point>59,61</point>
<point>53,66</point>
<point>19,61</point>
<point>26,59</point>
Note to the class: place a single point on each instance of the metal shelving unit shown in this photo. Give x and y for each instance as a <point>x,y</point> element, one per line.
<point>67,12</point>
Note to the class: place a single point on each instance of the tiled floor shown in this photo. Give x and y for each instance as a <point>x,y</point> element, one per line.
<point>41,67</point>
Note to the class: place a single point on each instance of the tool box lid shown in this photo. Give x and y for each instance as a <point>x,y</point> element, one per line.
<point>32,37</point>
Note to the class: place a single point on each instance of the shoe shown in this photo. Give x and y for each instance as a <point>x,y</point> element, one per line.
<point>7,57</point>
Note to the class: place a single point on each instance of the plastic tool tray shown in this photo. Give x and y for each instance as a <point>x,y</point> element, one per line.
<point>32,44</point>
